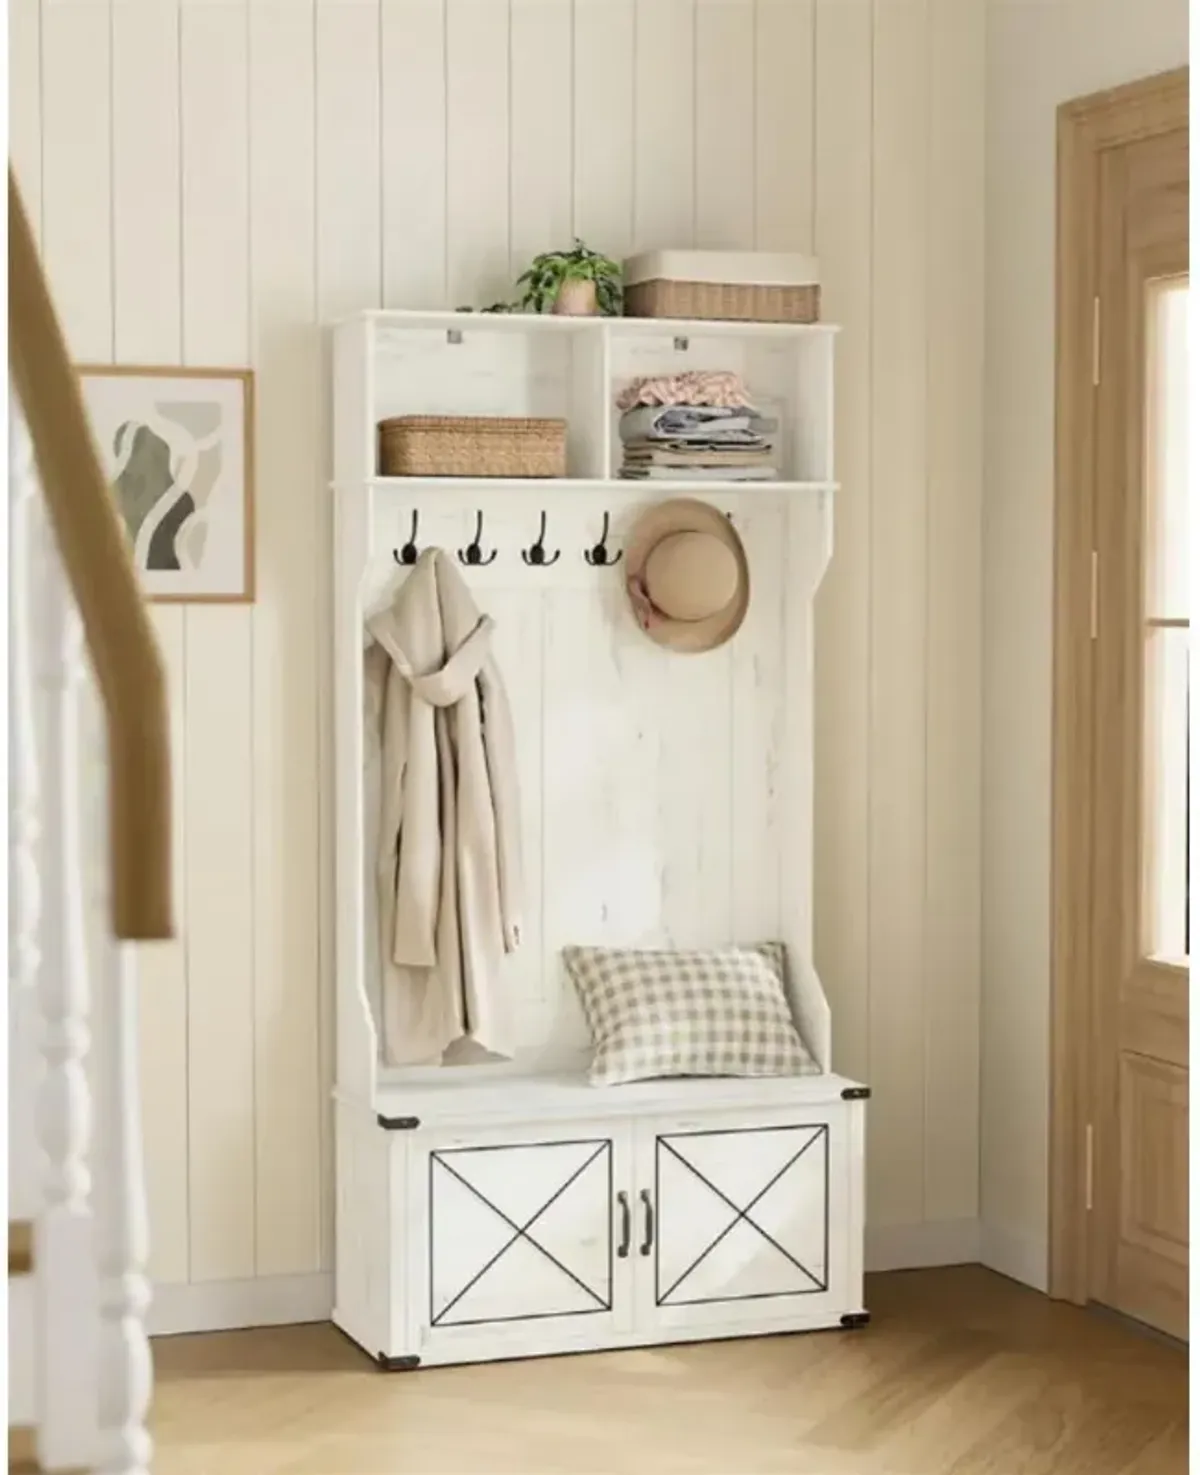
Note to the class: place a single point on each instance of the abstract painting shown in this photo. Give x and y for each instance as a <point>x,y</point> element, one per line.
<point>177,448</point>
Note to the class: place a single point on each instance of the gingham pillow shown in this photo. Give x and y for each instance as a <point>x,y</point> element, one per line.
<point>713,1013</point>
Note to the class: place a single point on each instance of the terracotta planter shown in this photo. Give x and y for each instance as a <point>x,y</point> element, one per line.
<point>576,298</point>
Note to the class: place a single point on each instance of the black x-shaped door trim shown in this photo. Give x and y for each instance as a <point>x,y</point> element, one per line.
<point>820,1133</point>
<point>520,1231</point>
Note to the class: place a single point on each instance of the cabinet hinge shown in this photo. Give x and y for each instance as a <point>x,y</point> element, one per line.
<point>397,1364</point>
<point>1094,597</point>
<point>1088,1146</point>
<point>856,1093</point>
<point>398,1123</point>
<point>1095,341</point>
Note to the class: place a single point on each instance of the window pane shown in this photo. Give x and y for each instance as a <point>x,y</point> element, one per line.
<point>1165,822</point>
<point>1166,448</point>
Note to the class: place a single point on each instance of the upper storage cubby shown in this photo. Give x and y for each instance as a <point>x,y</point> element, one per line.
<point>574,369</point>
<point>786,370</point>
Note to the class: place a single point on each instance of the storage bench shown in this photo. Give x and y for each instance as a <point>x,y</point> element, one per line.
<point>546,1216</point>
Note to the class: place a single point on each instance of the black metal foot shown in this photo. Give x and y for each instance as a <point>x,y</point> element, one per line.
<point>855,1319</point>
<point>397,1364</point>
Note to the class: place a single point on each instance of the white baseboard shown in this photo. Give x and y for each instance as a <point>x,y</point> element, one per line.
<point>1018,1256</point>
<point>279,1300</point>
<point>921,1246</point>
<point>228,1305</point>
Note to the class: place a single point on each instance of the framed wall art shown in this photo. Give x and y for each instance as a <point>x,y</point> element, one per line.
<point>177,446</point>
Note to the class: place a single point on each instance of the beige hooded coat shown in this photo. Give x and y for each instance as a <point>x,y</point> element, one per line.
<point>448,867</point>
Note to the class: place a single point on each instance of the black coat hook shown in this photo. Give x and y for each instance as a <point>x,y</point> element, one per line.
<point>600,555</point>
<point>409,554</point>
<point>535,556</point>
<point>472,555</point>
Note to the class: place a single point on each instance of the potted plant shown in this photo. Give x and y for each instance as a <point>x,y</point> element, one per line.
<point>580,282</point>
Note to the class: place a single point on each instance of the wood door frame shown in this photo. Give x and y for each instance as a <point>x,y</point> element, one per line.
<point>1087,126</point>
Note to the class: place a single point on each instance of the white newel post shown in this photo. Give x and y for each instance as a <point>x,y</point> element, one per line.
<point>66,1271</point>
<point>122,1229</point>
<point>84,1354</point>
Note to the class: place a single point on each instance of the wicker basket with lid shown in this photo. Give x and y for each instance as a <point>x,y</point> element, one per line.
<point>731,286</point>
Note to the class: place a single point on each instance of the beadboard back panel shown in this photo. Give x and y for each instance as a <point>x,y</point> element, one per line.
<point>214,181</point>
<point>655,788</point>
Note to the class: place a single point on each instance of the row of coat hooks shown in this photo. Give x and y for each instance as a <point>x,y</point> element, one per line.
<point>599,555</point>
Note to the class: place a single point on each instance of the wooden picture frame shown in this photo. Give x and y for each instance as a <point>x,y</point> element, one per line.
<point>181,467</point>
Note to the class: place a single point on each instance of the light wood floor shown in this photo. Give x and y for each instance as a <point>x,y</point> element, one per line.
<point>960,1373</point>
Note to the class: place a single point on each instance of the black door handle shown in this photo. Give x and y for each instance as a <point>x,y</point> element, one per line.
<point>626,1226</point>
<point>648,1242</point>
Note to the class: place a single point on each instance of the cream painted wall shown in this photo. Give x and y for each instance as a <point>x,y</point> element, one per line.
<point>1038,55</point>
<point>214,180</point>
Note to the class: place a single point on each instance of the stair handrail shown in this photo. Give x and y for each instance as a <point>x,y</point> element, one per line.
<point>99,568</point>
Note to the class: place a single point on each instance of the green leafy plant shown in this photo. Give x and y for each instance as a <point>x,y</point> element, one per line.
<point>547,273</point>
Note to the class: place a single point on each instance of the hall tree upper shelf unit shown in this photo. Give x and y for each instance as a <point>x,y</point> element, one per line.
<point>447,363</point>
<point>389,363</point>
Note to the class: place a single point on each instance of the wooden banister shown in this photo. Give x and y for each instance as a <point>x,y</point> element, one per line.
<point>99,568</point>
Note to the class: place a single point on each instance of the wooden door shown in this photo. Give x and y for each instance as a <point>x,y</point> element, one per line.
<point>526,1236</point>
<point>742,1223</point>
<point>1139,1222</point>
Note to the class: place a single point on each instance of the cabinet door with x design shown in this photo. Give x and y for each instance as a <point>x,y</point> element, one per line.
<point>525,1235</point>
<point>748,1219</point>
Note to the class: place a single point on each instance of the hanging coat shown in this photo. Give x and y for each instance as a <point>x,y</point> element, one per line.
<point>448,865</point>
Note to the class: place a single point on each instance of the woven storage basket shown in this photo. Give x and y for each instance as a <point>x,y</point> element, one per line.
<point>724,301</point>
<point>472,445</point>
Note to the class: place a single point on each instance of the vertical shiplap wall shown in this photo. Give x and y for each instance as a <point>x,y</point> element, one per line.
<point>214,180</point>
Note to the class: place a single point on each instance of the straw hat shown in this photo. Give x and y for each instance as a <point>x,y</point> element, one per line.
<point>687,575</point>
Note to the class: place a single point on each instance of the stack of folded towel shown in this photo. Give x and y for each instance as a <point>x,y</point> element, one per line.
<point>697,426</point>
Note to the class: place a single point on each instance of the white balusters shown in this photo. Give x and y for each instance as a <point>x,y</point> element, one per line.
<point>64,1113</point>
<point>24,830</point>
<point>24,957</point>
<point>66,1275</point>
<point>125,1365</point>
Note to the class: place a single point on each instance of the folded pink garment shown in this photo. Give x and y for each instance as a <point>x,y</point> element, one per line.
<point>721,388</point>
